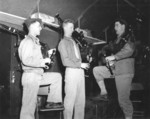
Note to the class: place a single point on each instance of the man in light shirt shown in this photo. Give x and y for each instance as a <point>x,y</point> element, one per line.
<point>74,74</point>
<point>33,75</point>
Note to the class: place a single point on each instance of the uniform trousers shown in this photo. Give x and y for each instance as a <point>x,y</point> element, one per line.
<point>31,82</point>
<point>123,85</point>
<point>74,93</point>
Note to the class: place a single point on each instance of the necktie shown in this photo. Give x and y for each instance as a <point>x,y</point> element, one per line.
<point>76,51</point>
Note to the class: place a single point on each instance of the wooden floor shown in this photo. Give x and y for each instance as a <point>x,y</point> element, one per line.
<point>95,109</point>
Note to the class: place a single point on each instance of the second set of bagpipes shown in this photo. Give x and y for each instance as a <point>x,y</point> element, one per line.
<point>48,53</point>
<point>112,48</point>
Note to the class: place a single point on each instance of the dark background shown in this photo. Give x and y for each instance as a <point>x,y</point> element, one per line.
<point>94,15</point>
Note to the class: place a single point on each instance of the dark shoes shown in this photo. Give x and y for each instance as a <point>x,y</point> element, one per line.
<point>54,105</point>
<point>101,97</point>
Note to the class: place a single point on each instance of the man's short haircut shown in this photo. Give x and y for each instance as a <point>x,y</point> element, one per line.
<point>68,21</point>
<point>123,22</point>
<point>30,21</point>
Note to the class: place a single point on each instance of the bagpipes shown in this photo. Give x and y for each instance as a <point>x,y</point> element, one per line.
<point>47,53</point>
<point>104,62</point>
<point>79,39</point>
<point>112,48</point>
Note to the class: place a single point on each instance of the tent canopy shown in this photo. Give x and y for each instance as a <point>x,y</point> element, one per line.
<point>95,15</point>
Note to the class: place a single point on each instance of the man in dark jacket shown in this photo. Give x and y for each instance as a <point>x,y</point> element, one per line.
<point>122,62</point>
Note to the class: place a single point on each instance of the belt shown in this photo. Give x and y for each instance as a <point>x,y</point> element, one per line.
<point>32,71</point>
<point>75,67</point>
